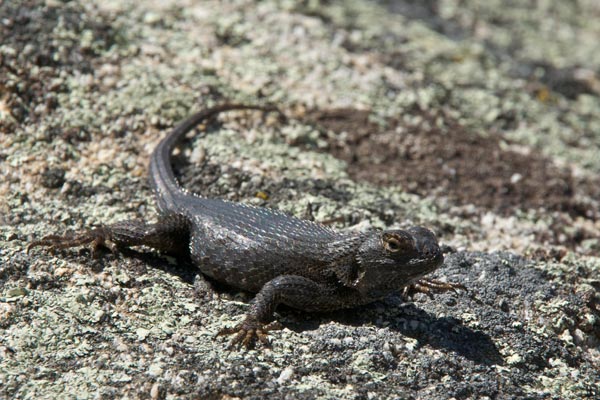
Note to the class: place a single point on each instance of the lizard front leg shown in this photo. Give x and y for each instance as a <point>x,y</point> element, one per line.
<point>291,290</point>
<point>170,234</point>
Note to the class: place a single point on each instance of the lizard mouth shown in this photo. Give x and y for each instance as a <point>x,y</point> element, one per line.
<point>426,265</point>
<point>434,263</point>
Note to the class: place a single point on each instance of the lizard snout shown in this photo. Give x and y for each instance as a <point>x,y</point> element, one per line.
<point>427,245</point>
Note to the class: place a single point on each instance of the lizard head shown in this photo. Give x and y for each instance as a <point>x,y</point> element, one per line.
<point>389,260</point>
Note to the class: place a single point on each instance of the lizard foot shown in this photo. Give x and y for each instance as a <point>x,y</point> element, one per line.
<point>96,238</point>
<point>248,332</point>
<point>430,286</point>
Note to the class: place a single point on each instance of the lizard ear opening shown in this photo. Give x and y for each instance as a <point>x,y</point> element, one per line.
<point>349,275</point>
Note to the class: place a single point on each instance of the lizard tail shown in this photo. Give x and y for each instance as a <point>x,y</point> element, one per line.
<point>162,178</point>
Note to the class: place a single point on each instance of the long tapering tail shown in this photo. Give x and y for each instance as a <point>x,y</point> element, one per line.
<point>162,178</point>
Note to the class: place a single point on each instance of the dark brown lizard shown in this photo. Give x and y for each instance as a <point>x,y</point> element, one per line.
<point>285,260</point>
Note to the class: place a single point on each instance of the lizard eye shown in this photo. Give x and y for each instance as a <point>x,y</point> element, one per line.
<point>395,243</point>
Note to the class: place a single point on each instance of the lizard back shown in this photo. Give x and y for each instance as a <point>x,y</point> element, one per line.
<point>230,241</point>
<point>233,241</point>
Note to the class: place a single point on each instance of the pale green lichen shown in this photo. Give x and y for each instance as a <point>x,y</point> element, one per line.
<point>166,60</point>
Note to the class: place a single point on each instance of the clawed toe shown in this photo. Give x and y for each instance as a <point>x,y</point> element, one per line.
<point>249,332</point>
<point>431,286</point>
<point>95,238</point>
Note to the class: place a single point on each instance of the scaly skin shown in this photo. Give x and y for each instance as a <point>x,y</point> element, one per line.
<point>283,259</point>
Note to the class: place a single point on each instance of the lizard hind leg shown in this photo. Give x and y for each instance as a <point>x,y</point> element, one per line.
<point>169,234</point>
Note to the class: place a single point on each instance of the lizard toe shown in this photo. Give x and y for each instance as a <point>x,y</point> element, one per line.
<point>95,238</point>
<point>248,333</point>
<point>430,286</point>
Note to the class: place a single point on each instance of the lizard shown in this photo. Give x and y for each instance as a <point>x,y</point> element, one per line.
<point>283,259</point>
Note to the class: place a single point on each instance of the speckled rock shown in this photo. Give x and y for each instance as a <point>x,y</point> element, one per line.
<point>478,119</point>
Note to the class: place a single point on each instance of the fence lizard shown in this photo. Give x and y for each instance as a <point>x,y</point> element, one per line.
<point>285,260</point>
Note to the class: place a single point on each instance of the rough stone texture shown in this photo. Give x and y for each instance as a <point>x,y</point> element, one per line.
<point>477,119</point>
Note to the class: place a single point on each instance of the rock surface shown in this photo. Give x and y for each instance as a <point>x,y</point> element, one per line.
<point>480,120</point>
